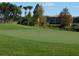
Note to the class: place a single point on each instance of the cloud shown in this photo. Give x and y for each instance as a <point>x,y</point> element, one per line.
<point>47,4</point>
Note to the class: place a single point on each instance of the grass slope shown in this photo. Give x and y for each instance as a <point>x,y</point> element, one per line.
<point>24,40</point>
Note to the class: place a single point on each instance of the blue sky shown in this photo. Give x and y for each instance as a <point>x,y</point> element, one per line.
<point>53,8</point>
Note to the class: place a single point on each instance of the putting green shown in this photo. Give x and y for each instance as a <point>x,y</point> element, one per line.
<point>25,40</point>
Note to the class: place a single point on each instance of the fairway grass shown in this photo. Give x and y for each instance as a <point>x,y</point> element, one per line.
<point>19,40</point>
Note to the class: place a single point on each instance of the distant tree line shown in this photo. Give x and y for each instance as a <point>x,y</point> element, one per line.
<point>10,12</point>
<point>36,19</point>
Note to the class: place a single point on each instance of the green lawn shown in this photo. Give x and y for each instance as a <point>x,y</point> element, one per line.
<point>25,40</point>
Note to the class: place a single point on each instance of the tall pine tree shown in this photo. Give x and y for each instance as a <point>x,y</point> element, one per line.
<point>38,15</point>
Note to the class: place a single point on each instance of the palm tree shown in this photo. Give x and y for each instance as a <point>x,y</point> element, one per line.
<point>20,9</point>
<point>29,14</point>
<point>29,7</point>
<point>15,11</point>
<point>25,8</point>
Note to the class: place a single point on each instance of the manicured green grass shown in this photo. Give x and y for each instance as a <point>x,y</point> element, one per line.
<point>25,40</point>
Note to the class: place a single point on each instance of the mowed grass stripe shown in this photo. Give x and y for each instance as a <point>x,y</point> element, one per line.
<point>37,41</point>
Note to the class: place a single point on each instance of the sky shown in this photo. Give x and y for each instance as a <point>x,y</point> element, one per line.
<point>53,8</point>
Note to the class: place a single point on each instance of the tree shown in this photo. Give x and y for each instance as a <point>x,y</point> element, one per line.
<point>25,8</point>
<point>9,11</point>
<point>20,7</point>
<point>4,10</point>
<point>29,16</point>
<point>38,15</point>
<point>76,20</point>
<point>20,12</point>
<point>29,7</point>
<point>66,19</point>
<point>29,13</point>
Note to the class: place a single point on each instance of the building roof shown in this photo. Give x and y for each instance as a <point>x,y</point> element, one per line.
<point>54,16</point>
